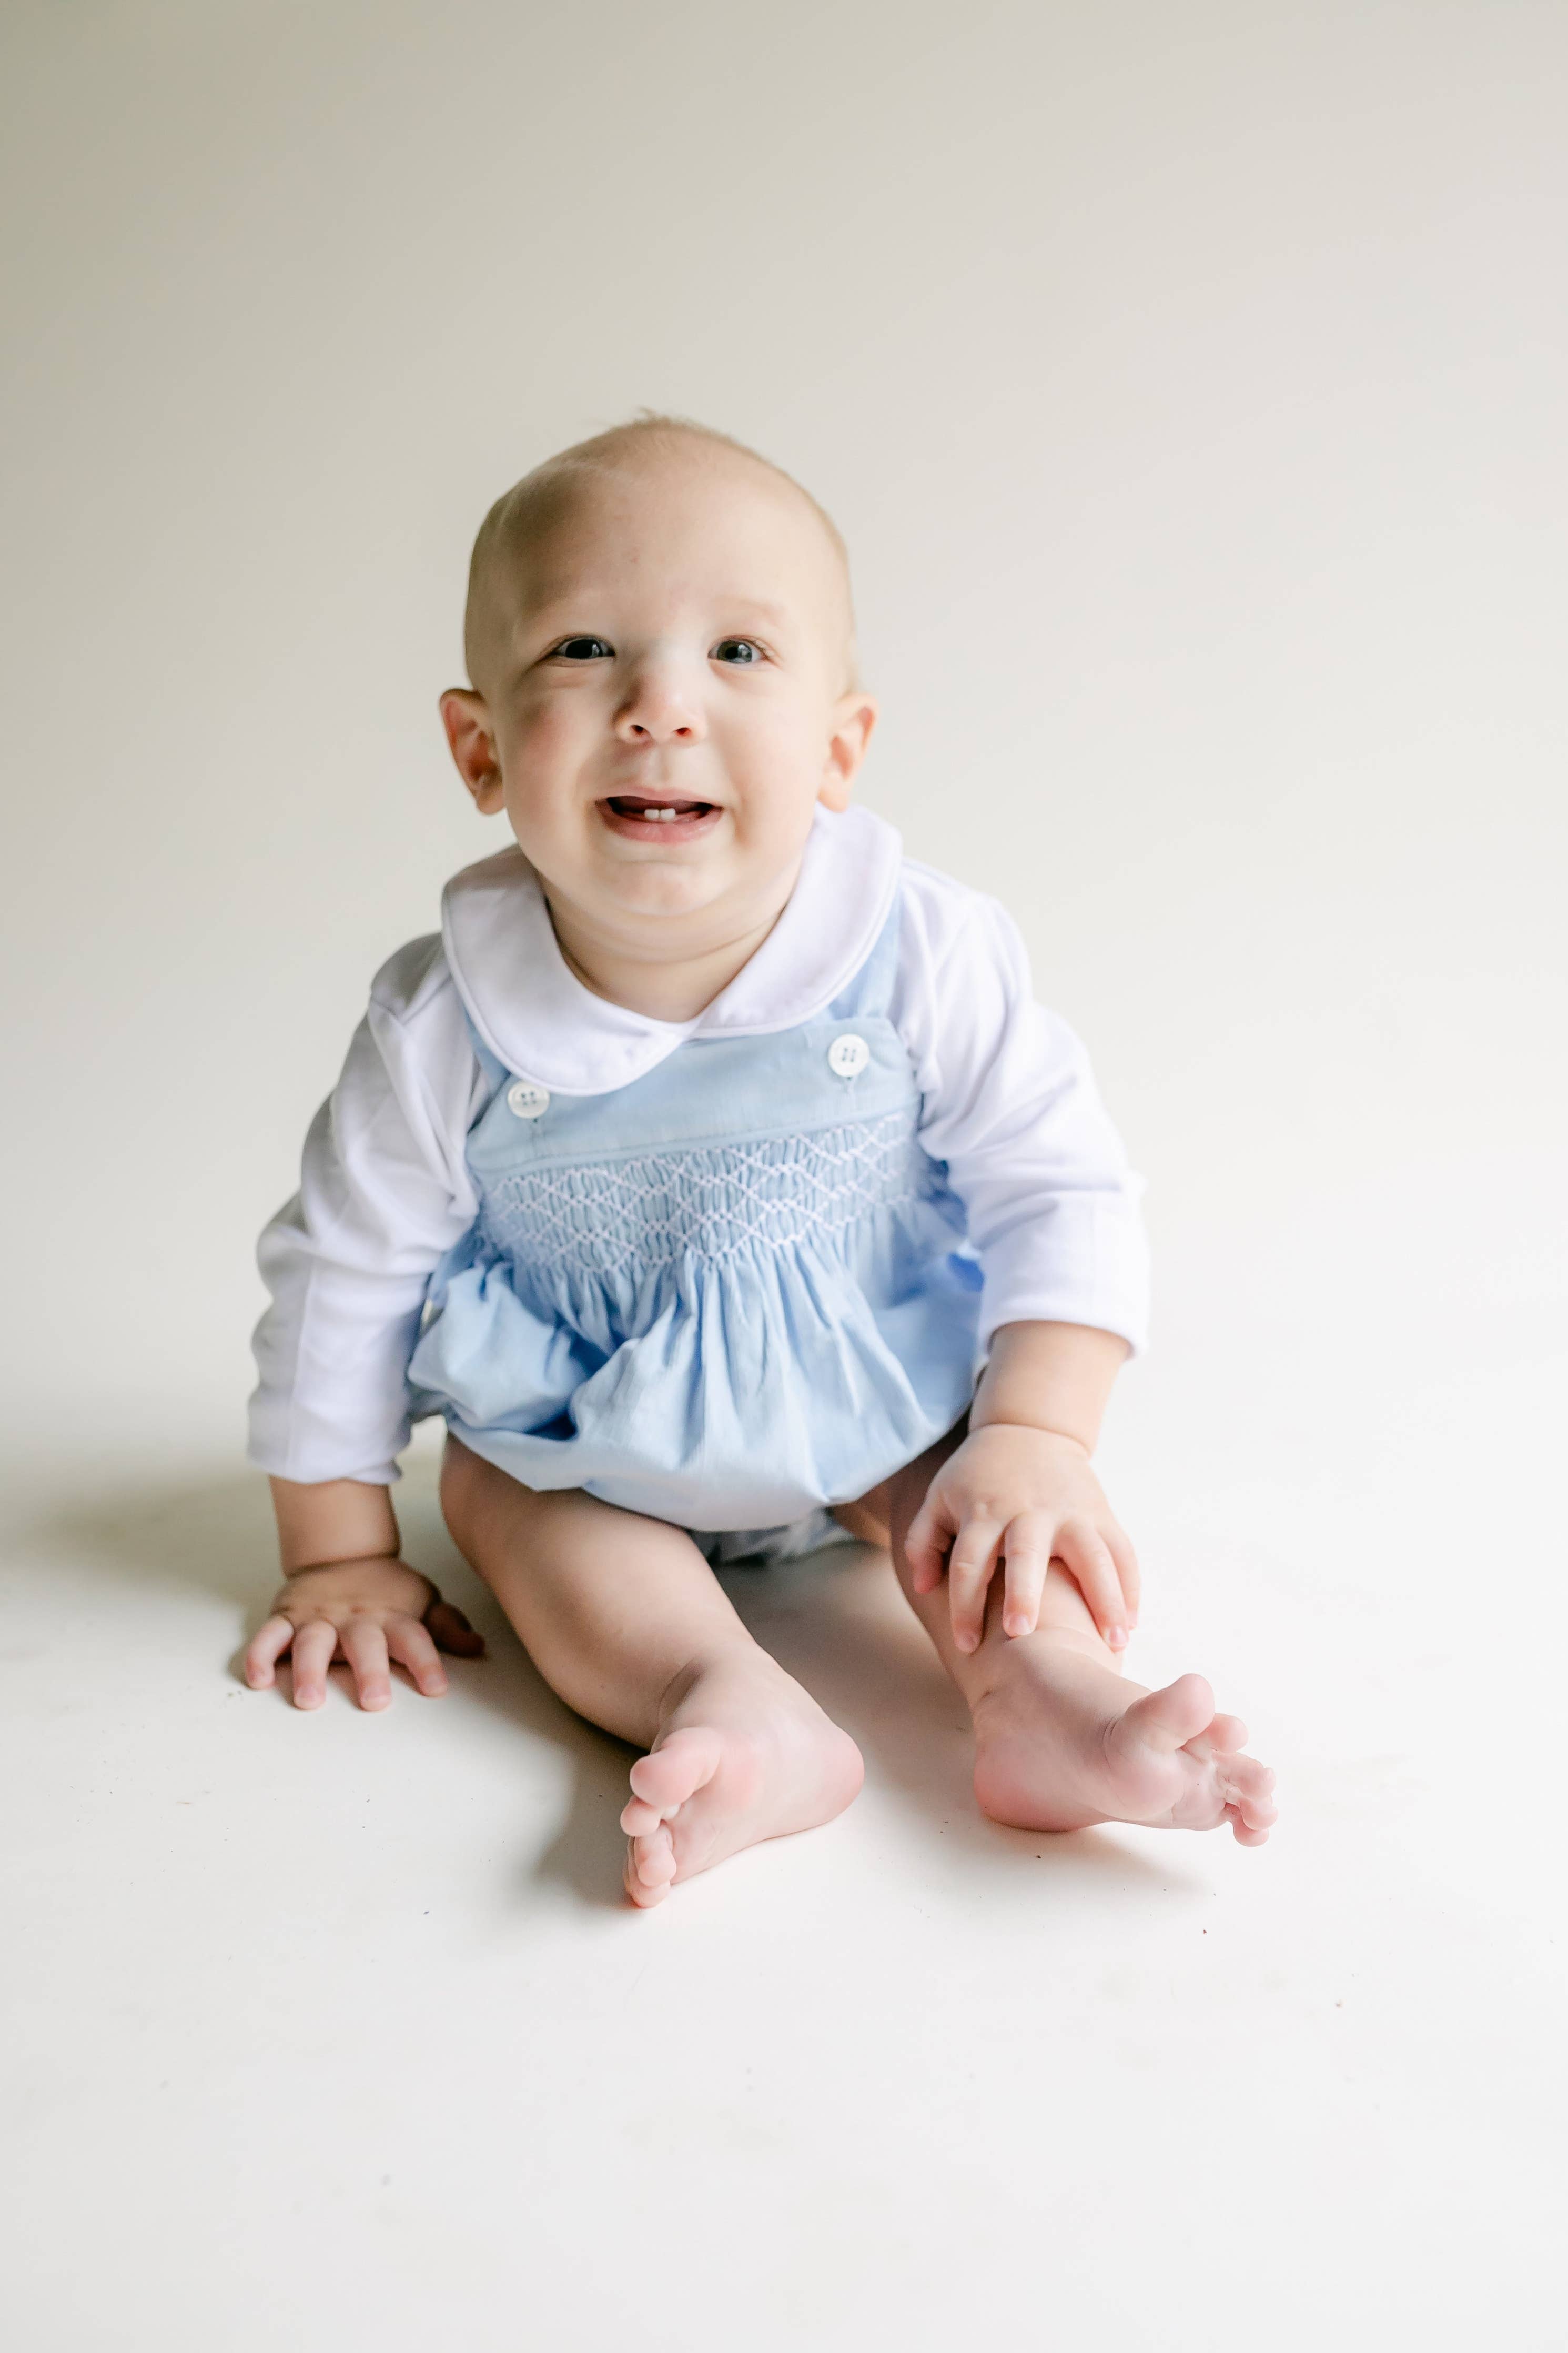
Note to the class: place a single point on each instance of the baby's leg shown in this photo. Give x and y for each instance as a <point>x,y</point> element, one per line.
<point>1062,1739</point>
<point>624,1617</point>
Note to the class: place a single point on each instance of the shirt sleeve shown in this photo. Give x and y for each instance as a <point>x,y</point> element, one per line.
<point>383,1193</point>
<point>1010,1106</point>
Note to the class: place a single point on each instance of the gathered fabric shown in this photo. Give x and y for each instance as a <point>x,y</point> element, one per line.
<point>730,1294</point>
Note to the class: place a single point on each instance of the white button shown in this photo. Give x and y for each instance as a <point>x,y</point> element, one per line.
<point>528,1102</point>
<point>848,1056</point>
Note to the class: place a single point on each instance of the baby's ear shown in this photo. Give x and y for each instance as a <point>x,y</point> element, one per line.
<point>854,716</point>
<point>470,738</point>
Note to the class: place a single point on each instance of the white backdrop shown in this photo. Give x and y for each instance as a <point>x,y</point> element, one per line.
<point>1188,381</point>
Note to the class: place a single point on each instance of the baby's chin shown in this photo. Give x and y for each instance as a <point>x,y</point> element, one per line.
<point>639,881</point>
<point>661,887</point>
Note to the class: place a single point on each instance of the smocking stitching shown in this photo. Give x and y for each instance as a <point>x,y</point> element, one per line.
<point>709,1202</point>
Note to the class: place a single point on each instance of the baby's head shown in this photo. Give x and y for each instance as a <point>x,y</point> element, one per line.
<point>660,642</point>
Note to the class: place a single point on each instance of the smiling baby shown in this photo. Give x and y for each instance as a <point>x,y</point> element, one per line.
<point>714,1174</point>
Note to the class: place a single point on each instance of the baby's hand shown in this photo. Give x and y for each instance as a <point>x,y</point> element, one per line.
<point>368,1612</point>
<point>1026,1495</point>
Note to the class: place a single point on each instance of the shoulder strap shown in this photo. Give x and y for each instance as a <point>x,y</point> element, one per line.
<point>869,991</point>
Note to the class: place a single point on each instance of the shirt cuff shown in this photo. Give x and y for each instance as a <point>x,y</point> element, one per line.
<point>1085,1261</point>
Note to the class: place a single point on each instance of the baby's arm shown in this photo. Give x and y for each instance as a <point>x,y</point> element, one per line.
<point>1010,1110</point>
<point>347,1595</point>
<point>383,1193</point>
<point>1021,1488</point>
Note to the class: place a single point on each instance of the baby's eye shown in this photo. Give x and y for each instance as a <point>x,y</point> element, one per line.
<point>744,653</point>
<point>581,650</point>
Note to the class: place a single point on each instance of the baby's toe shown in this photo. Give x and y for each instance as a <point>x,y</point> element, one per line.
<point>650,1867</point>
<point>654,1858</point>
<point>1226,1734</point>
<point>642,1895</point>
<point>638,1817</point>
<point>1165,1720</point>
<point>677,1768</point>
<point>1249,1787</point>
<point>1246,1834</point>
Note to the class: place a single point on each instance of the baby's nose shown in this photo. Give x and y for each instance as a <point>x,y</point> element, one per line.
<point>661,709</point>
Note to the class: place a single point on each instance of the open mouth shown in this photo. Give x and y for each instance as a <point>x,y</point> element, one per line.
<point>655,816</point>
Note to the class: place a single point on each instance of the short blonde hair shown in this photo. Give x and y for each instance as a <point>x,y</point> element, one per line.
<point>536,502</point>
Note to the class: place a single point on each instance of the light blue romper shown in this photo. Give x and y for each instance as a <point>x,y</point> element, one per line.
<point>729,1294</point>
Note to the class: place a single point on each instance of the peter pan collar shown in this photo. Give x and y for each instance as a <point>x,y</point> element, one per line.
<point>536,1016</point>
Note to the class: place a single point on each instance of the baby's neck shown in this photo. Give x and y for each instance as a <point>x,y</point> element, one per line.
<point>669,978</point>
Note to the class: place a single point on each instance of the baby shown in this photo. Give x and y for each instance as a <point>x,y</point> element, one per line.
<point>714,1175</point>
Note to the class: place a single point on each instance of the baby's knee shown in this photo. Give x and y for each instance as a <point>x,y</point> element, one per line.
<point>906,1489</point>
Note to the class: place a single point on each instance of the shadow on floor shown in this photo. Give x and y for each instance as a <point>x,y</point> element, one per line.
<point>836,1620</point>
<point>216,1537</point>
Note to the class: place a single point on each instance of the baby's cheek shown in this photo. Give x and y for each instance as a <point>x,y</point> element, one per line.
<point>776,783</point>
<point>545,740</point>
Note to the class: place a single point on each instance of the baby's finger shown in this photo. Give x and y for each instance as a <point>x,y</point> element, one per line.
<point>451,1631</point>
<point>267,1646</point>
<point>925,1545</point>
<point>411,1646</point>
<point>364,1647</point>
<point>970,1566</point>
<point>1083,1550</point>
<point>1126,1560</point>
<point>313,1648</point>
<point>1027,1548</point>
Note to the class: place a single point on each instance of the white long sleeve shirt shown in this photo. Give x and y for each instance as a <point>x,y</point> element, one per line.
<point>1008,1105</point>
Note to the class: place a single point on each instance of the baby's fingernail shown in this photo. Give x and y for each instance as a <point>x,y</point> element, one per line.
<point>1117,1638</point>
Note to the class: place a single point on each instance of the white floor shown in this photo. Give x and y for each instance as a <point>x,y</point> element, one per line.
<point>332,2029</point>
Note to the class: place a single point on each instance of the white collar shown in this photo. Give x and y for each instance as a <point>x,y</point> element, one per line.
<point>536,1016</point>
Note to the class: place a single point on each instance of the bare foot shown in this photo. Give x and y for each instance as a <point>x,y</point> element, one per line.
<point>745,1755</point>
<point>1062,1740</point>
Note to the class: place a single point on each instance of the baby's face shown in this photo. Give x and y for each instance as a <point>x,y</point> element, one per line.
<point>668,702</point>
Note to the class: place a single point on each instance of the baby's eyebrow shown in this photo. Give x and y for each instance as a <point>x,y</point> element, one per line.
<point>574,607</point>
<point>756,608</point>
<point>535,610</point>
